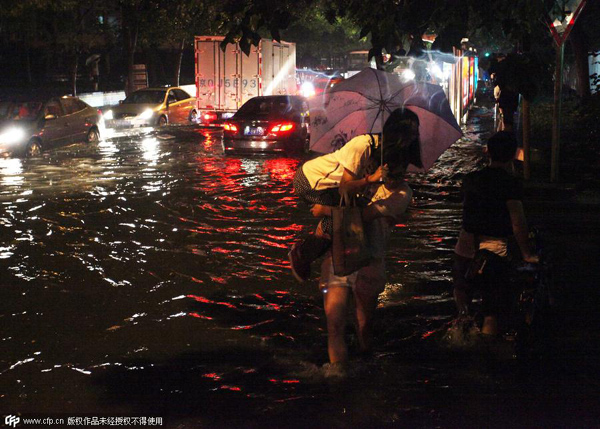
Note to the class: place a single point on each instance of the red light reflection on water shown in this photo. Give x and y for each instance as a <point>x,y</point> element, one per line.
<point>272,267</point>
<point>246,327</point>
<point>226,251</point>
<point>211,136</point>
<point>208,301</point>
<point>276,381</point>
<point>233,388</point>
<point>281,169</point>
<point>224,173</point>
<point>273,244</point>
<point>294,227</point>
<point>269,304</point>
<point>200,316</point>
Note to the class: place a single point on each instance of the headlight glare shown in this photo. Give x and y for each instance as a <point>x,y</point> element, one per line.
<point>408,75</point>
<point>108,115</point>
<point>307,89</point>
<point>12,135</point>
<point>146,114</point>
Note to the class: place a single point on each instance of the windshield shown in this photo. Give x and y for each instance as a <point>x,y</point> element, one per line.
<point>265,106</point>
<point>20,111</point>
<point>146,97</point>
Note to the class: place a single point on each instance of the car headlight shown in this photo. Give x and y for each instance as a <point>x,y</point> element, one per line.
<point>146,114</point>
<point>108,115</point>
<point>307,89</point>
<point>12,135</point>
<point>408,75</point>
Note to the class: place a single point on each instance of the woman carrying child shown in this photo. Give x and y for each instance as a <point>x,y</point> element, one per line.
<point>358,164</point>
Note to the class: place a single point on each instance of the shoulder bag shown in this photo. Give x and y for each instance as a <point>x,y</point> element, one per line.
<point>350,250</point>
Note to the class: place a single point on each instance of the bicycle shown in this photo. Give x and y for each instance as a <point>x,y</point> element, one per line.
<point>536,306</point>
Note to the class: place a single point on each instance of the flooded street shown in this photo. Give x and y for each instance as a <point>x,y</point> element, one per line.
<point>147,275</point>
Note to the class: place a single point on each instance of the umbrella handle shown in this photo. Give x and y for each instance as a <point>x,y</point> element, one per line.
<point>381,110</point>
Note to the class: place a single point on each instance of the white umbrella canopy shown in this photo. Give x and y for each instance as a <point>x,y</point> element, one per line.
<point>361,105</point>
<point>92,58</point>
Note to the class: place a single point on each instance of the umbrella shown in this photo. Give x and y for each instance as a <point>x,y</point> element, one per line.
<point>361,105</point>
<point>92,58</point>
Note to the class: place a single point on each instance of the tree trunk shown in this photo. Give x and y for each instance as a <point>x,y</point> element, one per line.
<point>131,32</point>
<point>526,141</point>
<point>580,45</point>
<point>178,61</point>
<point>28,36</point>
<point>106,65</point>
<point>28,60</point>
<point>74,68</point>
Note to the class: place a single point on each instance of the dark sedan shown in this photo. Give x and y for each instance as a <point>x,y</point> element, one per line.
<point>274,123</point>
<point>31,125</point>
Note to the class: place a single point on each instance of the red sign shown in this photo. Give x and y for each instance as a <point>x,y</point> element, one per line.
<point>562,18</point>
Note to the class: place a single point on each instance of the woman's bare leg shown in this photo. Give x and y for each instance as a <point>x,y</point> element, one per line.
<point>370,282</point>
<point>336,310</point>
<point>365,310</point>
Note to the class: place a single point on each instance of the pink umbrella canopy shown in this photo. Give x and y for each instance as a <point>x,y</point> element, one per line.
<point>361,105</point>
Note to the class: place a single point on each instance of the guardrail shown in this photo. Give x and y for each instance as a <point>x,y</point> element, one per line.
<point>101,99</point>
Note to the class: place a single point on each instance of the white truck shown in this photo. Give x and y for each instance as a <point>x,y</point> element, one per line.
<point>227,79</point>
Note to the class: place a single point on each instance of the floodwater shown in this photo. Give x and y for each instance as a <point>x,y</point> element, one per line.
<point>147,276</point>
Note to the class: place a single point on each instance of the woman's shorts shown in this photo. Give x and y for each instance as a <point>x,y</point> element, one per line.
<point>369,280</point>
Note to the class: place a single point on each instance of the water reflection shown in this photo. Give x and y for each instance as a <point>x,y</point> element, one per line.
<point>153,271</point>
<point>150,149</point>
<point>11,170</point>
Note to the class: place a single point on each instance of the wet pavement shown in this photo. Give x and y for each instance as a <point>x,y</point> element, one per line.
<point>147,276</point>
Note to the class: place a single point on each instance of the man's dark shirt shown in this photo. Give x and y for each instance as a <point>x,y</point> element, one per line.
<point>484,206</point>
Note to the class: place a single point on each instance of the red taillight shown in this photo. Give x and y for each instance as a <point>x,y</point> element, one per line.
<point>230,128</point>
<point>282,127</point>
<point>209,116</point>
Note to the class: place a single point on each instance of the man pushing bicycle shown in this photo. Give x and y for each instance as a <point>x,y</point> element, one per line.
<point>492,212</point>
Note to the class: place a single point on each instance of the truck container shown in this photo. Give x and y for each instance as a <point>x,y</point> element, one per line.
<point>227,79</point>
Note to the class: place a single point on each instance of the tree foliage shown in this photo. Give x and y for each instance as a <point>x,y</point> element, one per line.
<point>67,28</point>
<point>316,38</point>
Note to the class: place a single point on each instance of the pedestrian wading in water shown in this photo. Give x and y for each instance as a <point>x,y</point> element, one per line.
<point>388,202</point>
<point>492,212</point>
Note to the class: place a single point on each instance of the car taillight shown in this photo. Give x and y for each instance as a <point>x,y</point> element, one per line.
<point>209,116</point>
<point>230,128</point>
<point>282,127</point>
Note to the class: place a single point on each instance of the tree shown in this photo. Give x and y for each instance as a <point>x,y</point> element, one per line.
<point>19,22</point>
<point>134,16</point>
<point>176,23</point>
<point>316,38</point>
<point>391,24</point>
<point>76,30</point>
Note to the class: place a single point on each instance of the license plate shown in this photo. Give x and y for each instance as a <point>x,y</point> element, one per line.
<point>254,131</point>
<point>119,123</point>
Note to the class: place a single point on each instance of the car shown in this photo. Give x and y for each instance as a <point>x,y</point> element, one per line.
<point>153,107</point>
<point>318,86</point>
<point>30,125</point>
<point>274,123</point>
